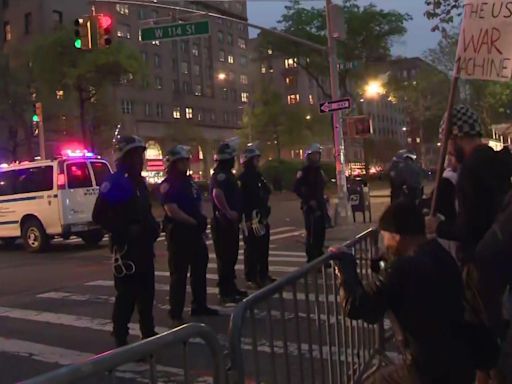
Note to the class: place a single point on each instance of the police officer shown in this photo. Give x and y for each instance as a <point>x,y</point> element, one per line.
<point>405,177</point>
<point>225,195</point>
<point>185,226</point>
<point>310,187</point>
<point>123,209</point>
<point>255,211</point>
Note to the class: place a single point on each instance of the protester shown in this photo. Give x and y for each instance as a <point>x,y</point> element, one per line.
<point>422,287</point>
<point>123,209</point>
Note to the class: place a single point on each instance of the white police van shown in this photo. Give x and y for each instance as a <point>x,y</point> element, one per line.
<point>42,200</point>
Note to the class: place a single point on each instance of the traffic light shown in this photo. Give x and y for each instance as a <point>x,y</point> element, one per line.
<point>83,33</point>
<point>104,24</point>
<point>37,117</point>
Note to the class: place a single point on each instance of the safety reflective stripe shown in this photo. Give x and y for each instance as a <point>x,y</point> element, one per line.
<point>9,222</point>
<point>19,199</point>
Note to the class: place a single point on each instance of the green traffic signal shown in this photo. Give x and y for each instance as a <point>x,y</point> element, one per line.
<point>78,43</point>
<point>35,118</point>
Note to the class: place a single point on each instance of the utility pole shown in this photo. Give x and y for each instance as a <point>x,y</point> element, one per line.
<point>335,26</point>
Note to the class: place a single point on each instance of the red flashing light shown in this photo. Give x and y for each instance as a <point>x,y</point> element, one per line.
<point>61,181</point>
<point>104,21</point>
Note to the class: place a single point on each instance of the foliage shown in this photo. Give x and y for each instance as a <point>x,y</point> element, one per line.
<point>82,75</point>
<point>271,120</point>
<point>370,33</point>
<point>285,172</point>
<point>381,151</point>
<point>444,12</point>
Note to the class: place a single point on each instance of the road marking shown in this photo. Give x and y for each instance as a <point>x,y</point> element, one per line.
<point>62,356</point>
<point>105,325</point>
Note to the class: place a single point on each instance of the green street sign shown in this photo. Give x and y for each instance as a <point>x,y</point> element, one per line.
<point>175,31</point>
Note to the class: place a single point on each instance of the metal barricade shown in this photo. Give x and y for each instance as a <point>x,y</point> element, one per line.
<point>109,365</point>
<point>294,331</point>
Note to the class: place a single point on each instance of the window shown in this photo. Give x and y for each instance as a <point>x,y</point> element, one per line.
<point>57,18</point>
<point>293,99</point>
<point>231,59</point>
<point>154,14</point>
<point>187,88</point>
<point>244,97</point>
<point>225,117</point>
<point>157,60</point>
<point>290,63</point>
<point>126,107</point>
<point>147,109</point>
<point>189,113</point>
<point>220,37</point>
<point>144,56</point>
<point>199,115</point>
<point>158,82</point>
<point>123,9</point>
<point>269,51</point>
<point>124,31</point>
<point>184,67</point>
<point>229,39</point>
<point>28,23</point>
<point>213,116</point>
<point>291,81</point>
<point>244,79</point>
<point>59,94</point>
<point>241,27</point>
<point>241,43</point>
<point>78,175</point>
<point>174,63</point>
<point>7,183</point>
<point>184,46</point>
<point>159,111</point>
<point>311,100</point>
<point>176,113</point>
<point>175,85</point>
<point>234,94</point>
<point>196,69</point>
<point>29,180</point>
<point>101,172</point>
<point>222,55</point>
<point>7,31</point>
<point>198,90</point>
<point>195,49</point>
<point>243,60</point>
<point>263,68</point>
<point>141,14</point>
<point>225,93</point>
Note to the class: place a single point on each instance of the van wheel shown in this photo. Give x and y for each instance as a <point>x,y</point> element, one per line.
<point>93,238</point>
<point>34,236</point>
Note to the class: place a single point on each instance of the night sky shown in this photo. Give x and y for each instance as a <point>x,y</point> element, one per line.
<point>418,39</point>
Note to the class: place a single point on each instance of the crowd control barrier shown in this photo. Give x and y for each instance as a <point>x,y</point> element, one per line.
<point>295,331</point>
<point>107,367</point>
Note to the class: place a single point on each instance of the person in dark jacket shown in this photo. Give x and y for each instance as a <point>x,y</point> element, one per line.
<point>255,213</point>
<point>310,188</point>
<point>123,209</point>
<point>422,287</point>
<point>185,226</point>
<point>405,177</point>
<point>226,204</point>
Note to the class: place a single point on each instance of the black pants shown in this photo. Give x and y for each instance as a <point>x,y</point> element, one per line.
<point>256,255</point>
<point>187,250</point>
<point>314,220</point>
<point>137,289</point>
<point>226,243</point>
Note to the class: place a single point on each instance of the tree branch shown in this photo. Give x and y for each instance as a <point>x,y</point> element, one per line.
<point>315,78</point>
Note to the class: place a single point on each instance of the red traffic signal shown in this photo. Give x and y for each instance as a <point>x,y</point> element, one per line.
<point>104,24</point>
<point>104,21</point>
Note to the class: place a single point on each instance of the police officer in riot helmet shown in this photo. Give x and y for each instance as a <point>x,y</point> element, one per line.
<point>123,209</point>
<point>310,188</point>
<point>225,195</point>
<point>255,214</point>
<point>185,226</point>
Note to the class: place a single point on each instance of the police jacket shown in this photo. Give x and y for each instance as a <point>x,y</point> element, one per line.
<point>425,294</point>
<point>123,209</point>
<point>225,180</point>
<point>310,184</point>
<point>255,193</point>
<point>180,189</point>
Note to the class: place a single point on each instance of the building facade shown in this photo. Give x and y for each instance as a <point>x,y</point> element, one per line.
<point>196,88</point>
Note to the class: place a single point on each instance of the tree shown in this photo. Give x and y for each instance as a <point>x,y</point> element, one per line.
<point>270,120</point>
<point>370,33</point>
<point>444,12</point>
<point>80,74</point>
<point>15,106</point>
<point>381,151</point>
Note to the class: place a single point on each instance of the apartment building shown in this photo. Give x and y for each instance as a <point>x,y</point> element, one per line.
<point>195,84</point>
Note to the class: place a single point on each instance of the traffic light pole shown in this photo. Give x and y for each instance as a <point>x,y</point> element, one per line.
<point>42,149</point>
<point>339,145</point>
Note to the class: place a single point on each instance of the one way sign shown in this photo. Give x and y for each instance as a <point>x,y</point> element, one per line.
<point>335,105</point>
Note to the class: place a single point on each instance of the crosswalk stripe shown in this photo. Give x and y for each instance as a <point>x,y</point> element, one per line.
<point>209,290</point>
<point>63,356</point>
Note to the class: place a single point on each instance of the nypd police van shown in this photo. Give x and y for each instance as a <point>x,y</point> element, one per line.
<point>43,200</point>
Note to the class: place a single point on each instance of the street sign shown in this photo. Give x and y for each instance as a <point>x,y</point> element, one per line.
<point>175,31</point>
<point>335,105</point>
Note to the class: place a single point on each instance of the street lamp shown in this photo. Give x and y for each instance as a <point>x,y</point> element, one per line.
<point>374,89</point>
<point>308,117</point>
<point>404,129</point>
<point>221,76</point>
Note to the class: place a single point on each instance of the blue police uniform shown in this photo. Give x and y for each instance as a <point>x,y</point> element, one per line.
<point>123,209</point>
<point>225,232</point>
<point>185,244</point>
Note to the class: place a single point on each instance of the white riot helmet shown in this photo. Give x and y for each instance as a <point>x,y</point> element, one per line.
<point>250,152</point>
<point>123,144</point>
<point>314,148</point>
<point>176,153</point>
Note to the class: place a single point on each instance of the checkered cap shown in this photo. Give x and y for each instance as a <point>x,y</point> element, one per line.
<point>465,122</point>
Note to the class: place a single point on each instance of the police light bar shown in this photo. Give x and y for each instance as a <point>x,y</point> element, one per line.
<point>77,153</point>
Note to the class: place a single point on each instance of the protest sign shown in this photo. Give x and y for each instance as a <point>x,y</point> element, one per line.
<point>484,50</point>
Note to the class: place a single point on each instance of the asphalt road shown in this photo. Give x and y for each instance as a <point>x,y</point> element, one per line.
<point>55,307</point>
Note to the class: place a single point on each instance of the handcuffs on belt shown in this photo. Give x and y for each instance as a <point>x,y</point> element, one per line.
<point>121,267</point>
